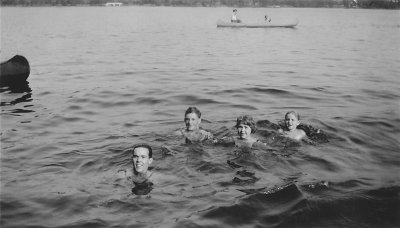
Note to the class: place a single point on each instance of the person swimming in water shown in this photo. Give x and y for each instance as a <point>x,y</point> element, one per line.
<point>292,120</point>
<point>192,132</point>
<point>142,157</point>
<point>245,126</point>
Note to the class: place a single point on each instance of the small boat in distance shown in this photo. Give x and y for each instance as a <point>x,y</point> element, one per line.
<point>113,4</point>
<point>286,24</point>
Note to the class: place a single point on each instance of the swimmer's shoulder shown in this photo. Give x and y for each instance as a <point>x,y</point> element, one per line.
<point>161,178</point>
<point>260,144</point>
<point>208,134</point>
<point>179,132</point>
<point>301,133</point>
<point>226,140</point>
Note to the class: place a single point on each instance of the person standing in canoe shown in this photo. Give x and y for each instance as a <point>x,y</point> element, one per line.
<point>234,18</point>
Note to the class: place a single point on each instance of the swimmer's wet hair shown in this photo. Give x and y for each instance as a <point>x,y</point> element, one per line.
<point>143,145</point>
<point>246,120</point>
<point>193,110</point>
<point>297,115</point>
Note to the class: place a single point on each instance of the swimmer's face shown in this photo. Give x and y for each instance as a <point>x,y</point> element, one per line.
<point>141,159</point>
<point>291,121</point>
<point>192,121</point>
<point>244,131</point>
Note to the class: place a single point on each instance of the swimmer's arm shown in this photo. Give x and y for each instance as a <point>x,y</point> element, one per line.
<point>305,138</point>
<point>178,132</point>
<point>302,134</point>
<point>261,145</point>
<point>124,173</point>
<point>208,135</point>
<point>308,140</point>
<point>226,141</point>
<point>167,150</point>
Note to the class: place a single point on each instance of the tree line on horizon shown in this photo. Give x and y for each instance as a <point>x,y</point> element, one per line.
<point>385,4</point>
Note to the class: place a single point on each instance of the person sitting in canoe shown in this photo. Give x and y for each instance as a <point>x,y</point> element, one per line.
<point>267,18</point>
<point>234,18</point>
<point>192,132</point>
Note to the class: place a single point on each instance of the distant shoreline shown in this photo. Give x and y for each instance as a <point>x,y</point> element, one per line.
<point>353,4</point>
<point>150,5</point>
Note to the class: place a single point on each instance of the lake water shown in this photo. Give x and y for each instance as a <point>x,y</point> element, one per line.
<point>103,79</point>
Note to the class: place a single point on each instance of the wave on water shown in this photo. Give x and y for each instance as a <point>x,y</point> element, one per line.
<point>310,205</point>
<point>12,95</point>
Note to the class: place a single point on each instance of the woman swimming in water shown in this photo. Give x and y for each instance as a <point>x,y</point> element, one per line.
<point>245,126</point>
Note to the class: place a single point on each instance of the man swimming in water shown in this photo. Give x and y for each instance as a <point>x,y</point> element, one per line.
<point>192,132</point>
<point>142,157</point>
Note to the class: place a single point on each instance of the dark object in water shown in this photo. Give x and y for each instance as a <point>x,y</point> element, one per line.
<point>314,134</point>
<point>14,71</point>
<point>233,165</point>
<point>267,124</point>
<point>245,173</point>
<point>267,191</point>
<point>247,178</point>
<point>317,186</point>
<point>143,188</point>
<point>246,181</point>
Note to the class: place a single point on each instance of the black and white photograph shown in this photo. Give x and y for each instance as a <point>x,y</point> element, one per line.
<point>200,113</point>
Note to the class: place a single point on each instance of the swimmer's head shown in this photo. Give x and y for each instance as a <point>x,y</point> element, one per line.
<point>192,118</point>
<point>294,113</point>
<point>193,110</point>
<point>235,10</point>
<point>292,120</point>
<point>246,120</point>
<point>142,157</point>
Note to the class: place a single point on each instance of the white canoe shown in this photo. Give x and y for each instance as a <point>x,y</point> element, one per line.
<point>286,24</point>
